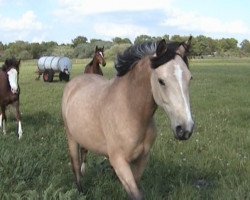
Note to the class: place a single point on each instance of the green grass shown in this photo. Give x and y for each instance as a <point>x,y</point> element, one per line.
<point>213,164</point>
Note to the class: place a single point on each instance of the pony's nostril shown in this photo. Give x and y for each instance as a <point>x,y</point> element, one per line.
<point>178,129</point>
<point>182,133</point>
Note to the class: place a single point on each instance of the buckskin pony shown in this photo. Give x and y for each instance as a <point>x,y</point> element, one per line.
<point>114,117</point>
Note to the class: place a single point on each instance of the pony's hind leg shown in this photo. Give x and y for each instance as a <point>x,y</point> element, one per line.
<point>83,155</point>
<point>75,161</point>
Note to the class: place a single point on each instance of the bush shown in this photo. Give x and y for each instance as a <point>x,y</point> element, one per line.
<point>111,53</point>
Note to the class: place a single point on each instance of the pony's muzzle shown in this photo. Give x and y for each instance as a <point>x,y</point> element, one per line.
<point>183,133</point>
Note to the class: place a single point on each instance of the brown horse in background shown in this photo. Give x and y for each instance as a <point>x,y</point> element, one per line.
<point>10,92</point>
<point>114,117</point>
<point>94,66</point>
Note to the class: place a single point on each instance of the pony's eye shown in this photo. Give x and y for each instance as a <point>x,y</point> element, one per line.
<point>161,81</point>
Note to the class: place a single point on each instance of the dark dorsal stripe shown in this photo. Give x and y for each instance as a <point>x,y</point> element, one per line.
<point>126,61</point>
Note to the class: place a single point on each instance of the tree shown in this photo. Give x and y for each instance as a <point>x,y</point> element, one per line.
<point>1,46</point>
<point>227,44</point>
<point>143,38</point>
<point>79,40</point>
<point>47,48</point>
<point>36,50</point>
<point>24,55</point>
<point>177,38</point>
<point>118,40</point>
<point>111,53</point>
<point>63,50</point>
<point>245,46</point>
<point>166,37</point>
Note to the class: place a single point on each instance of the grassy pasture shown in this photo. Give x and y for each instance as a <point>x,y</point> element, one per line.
<point>213,164</point>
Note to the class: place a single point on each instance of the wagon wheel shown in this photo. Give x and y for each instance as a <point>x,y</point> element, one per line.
<point>48,75</point>
<point>51,75</point>
<point>63,76</point>
<point>45,76</point>
<point>66,77</point>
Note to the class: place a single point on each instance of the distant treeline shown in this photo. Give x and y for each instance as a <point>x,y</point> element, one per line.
<point>82,48</point>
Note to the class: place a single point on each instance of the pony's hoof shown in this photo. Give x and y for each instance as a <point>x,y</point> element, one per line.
<point>20,135</point>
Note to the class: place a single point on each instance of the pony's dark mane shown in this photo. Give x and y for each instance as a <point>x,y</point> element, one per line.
<point>133,54</point>
<point>126,61</point>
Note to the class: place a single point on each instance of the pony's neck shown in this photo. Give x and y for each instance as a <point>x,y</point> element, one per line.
<point>93,66</point>
<point>95,62</point>
<point>138,91</point>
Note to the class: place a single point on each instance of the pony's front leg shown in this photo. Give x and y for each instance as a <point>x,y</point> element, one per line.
<point>139,166</point>
<point>19,130</point>
<point>124,173</point>
<point>18,119</point>
<point>3,120</point>
<point>140,163</point>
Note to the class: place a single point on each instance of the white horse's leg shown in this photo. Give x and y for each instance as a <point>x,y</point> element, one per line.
<point>20,131</point>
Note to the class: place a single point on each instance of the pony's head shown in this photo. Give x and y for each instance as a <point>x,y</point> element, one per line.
<point>11,67</point>
<point>169,77</point>
<point>99,55</point>
<point>170,85</point>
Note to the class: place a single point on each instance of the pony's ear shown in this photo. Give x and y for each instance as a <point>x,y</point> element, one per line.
<point>18,62</point>
<point>161,48</point>
<point>7,62</point>
<point>102,48</point>
<point>188,44</point>
<point>184,48</point>
<point>96,48</point>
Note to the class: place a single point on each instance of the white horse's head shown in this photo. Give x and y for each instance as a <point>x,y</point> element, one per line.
<point>170,85</point>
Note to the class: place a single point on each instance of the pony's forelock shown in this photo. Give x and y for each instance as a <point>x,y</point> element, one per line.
<point>11,62</point>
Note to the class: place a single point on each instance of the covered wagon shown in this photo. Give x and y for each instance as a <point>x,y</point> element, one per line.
<point>49,65</point>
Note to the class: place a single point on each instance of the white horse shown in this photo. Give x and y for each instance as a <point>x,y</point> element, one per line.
<point>114,117</point>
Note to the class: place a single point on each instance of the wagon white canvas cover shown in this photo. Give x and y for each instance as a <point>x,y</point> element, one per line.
<point>55,63</point>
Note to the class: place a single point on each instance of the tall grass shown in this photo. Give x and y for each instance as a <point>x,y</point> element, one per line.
<point>213,164</point>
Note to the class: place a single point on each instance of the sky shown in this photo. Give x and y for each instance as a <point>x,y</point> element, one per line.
<point>64,20</point>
